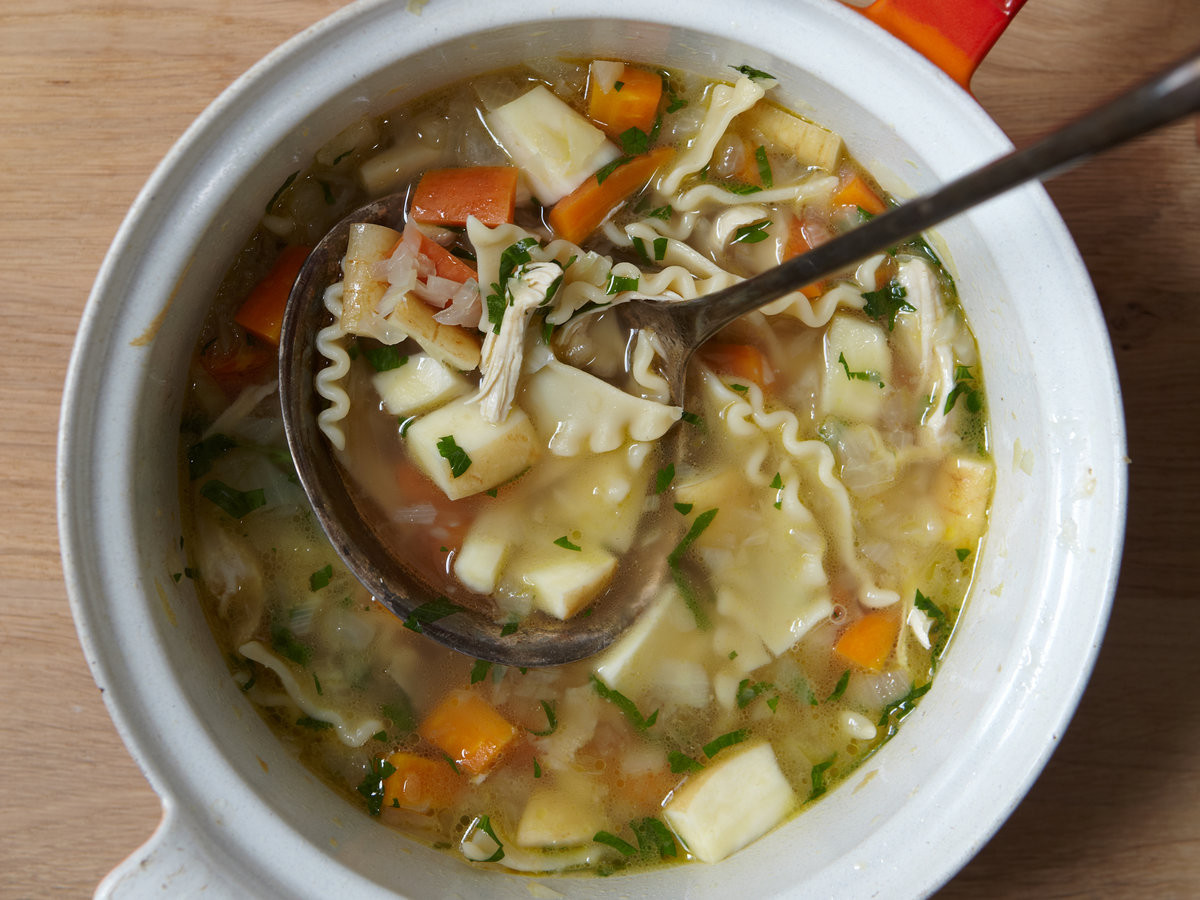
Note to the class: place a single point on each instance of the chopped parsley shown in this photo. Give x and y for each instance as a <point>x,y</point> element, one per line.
<point>619,283</point>
<point>962,553</point>
<point>692,419</point>
<point>479,671</point>
<point>683,508</point>
<point>234,503</point>
<point>748,691</point>
<point>317,685</point>
<point>752,233</point>
<point>551,719</point>
<point>681,762</point>
<point>484,824</point>
<point>753,73</point>
<point>634,142</point>
<point>740,388</point>
<point>625,705</point>
<point>927,606</point>
<point>604,171</point>
<point>313,724</point>
<point>289,646</point>
<point>717,744</point>
<point>887,302</point>
<point>287,183</point>
<point>764,167</point>
<point>384,358</point>
<point>607,837</point>
<point>400,713</point>
<point>379,736</point>
<point>664,478</point>
<point>902,707</point>
<point>320,578</point>
<point>700,523</point>
<point>565,543</point>
<point>964,385</point>
<point>509,628</point>
<point>455,455</point>
<point>203,454</point>
<point>676,103</point>
<point>654,837</point>
<point>661,212</point>
<point>430,612</point>
<point>378,771</point>
<point>818,777</point>
<point>743,189</point>
<point>537,768</point>
<point>777,481</point>
<point>498,301</point>
<point>660,249</point>
<point>840,687</point>
<point>865,375</point>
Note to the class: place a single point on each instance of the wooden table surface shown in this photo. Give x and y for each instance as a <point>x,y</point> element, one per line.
<point>93,94</point>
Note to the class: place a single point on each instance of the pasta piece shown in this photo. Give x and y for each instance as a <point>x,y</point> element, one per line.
<point>727,102</point>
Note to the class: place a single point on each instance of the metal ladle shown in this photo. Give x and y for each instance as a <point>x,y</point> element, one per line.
<point>681,327</point>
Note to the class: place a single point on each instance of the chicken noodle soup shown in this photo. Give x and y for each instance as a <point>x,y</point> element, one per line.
<point>830,504</point>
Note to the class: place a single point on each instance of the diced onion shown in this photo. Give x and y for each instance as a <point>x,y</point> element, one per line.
<point>464,308</point>
<point>605,73</point>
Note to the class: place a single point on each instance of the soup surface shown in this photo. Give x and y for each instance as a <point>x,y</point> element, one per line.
<point>489,412</point>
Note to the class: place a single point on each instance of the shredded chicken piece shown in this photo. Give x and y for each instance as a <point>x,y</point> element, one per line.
<point>503,352</point>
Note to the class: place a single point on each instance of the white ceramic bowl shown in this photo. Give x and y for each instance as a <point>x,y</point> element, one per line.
<point>241,816</point>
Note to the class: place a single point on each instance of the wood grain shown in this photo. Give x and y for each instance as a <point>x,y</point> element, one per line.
<point>92,94</point>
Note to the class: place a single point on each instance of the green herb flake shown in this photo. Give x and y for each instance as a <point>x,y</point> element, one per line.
<point>902,707</point>
<point>716,745</point>
<point>625,705</point>
<point>177,576</point>
<point>328,191</point>
<point>400,713</point>
<point>818,777</point>
<point>551,719</point>
<point>537,768</point>
<point>380,736</point>
<point>683,508</point>
<point>743,190</point>
<point>378,771</point>
<point>509,628</point>
<point>748,691</point>
<point>479,671</point>
<point>927,606</point>
<point>455,455</point>
<point>752,233</point>
<point>203,454</point>
<point>662,213</point>
<point>660,249</point>
<point>654,837</point>
<point>964,385</point>
<point>430,612</point>
<point>962,553</point>
<point>640,246</point>
<point>865,375</point>
<point>234,503</point>
<point>313,724</point>
<point>317,685</point>
<point>840,687</point>
<point>675,103</point>
<point>385,357</point>
<point>690,598</point>
<point>681,763</point>
<point>753,73</point>
<point>733,654</point>
<point>620,283</point>
<point>772,703</point>
<point>617,85</point>
<point>565,543</point>
<point>604,171</point>
<point>700,523</point>
<point>764,167</point>
<point>484,824</point>
<point>607,837</point>
<point>320,578</point>
<point>287,183</point>
<point>634,142</point>
<point>664,478</point>
<point>777,481</point>
<point>692,419</point>
<point>288,645</point>
<point>337,159</point>
<point>887,303</point>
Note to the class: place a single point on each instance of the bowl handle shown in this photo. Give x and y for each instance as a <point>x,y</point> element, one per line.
<point>955,35</point>
<point>172,863</point>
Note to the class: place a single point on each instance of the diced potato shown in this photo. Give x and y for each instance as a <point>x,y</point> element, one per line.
<point>419,385</point>
<point>496,453</point>
<point>562,587</point>
<point>452,344</point>
<point>557,818</point>
<point>553,145</point>
<point>736,800</point>
<point>858,365</point>
<point>963,487</point>
<point>810,144</point>
<point>480,560</point>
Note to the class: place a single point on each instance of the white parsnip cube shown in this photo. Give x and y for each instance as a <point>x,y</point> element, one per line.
<point>619,664</point>
<point>557,818</point>
<point>737,799</point>
<point>562,587</point>
<point>553,145</point>
<point>419,385</point>
<point>858,366</point>
<point>493,453</point>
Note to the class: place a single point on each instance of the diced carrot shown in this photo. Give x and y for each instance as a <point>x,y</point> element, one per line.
<point>869,641</point>
<point>445,263</point>
<point>239,366</point>
<point>580,213</point>
<point>262,312</point>
<point>469,731</point>
<point>450,196</point>
<point>631,102</point>
<point>740,360</point>
<point>797,244</point>
<point>419,784</point>
<point>856,192</point>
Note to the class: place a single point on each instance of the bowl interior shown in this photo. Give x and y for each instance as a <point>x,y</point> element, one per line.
<point>921,806</point>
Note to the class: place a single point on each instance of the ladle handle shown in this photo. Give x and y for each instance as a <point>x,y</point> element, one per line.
<point>1160,100</point>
